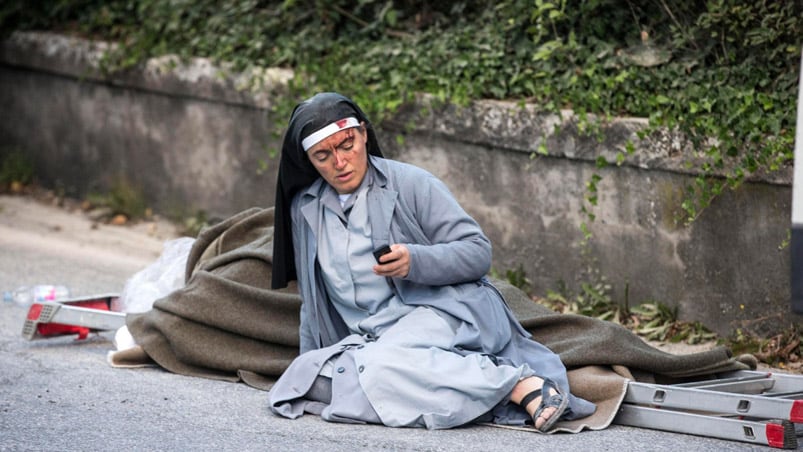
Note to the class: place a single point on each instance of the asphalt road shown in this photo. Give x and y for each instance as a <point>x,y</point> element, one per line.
<point>60,394</point>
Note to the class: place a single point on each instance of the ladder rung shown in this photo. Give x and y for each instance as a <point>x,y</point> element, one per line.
<point>783,382</point>
<point>734,378</point>
<point>784,395</point>
<point>742,387</point>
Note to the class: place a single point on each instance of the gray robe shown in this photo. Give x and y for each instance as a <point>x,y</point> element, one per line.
<point>447,248</point>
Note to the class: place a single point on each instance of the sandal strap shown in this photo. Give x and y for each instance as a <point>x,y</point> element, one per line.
<point>550,399</point>
<point>532,395</point>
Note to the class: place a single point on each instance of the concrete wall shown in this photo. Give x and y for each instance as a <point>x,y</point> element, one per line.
<point>187,136</point>
<point>193,139</point>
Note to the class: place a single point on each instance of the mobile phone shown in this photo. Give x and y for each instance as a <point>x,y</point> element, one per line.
<point>385,249</point>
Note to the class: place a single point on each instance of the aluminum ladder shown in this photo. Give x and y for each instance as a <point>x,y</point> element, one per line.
<point>751,406</point>
<point>74,316</point>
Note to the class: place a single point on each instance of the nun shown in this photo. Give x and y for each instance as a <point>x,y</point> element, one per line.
<point>399,324</point>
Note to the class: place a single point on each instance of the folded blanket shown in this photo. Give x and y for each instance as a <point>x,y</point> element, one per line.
<point>226,323</point>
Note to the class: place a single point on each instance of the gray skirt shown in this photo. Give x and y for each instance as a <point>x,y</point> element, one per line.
<point>409,376</point>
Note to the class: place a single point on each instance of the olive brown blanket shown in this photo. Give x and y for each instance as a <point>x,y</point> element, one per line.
<point>226,323</point>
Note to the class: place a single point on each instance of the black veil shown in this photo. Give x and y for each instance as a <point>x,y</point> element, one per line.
<point>296,172</point>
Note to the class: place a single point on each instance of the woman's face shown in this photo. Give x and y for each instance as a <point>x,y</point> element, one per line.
<point>342,159</point>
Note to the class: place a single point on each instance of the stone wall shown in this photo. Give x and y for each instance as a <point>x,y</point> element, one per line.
<point>194,137</point>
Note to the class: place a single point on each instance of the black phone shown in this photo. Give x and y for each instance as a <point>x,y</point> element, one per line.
<point>385,249</point>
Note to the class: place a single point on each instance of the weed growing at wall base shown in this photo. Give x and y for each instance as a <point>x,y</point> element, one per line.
<point>123,198</point>
<point>16,168</point>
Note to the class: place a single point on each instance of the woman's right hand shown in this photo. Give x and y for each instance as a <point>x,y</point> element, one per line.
<point>395,264</point>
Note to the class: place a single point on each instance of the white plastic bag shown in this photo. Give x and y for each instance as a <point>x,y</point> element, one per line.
<point>158,279</point>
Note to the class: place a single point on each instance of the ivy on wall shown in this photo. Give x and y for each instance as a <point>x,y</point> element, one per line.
<point>723,72</point>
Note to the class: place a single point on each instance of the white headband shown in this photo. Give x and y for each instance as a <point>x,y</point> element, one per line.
<point>320,135</point>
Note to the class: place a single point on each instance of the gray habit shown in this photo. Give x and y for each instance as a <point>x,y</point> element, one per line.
<point>405,367</point>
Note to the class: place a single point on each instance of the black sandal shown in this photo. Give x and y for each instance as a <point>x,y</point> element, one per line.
<point>559,401</point>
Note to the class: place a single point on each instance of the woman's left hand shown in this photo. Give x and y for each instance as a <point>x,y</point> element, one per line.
<point>395,264</point>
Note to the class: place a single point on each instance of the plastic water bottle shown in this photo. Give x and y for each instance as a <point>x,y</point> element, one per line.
<point>26,295</point>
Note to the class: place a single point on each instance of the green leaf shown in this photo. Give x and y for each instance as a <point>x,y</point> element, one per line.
<point>661,99</point>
